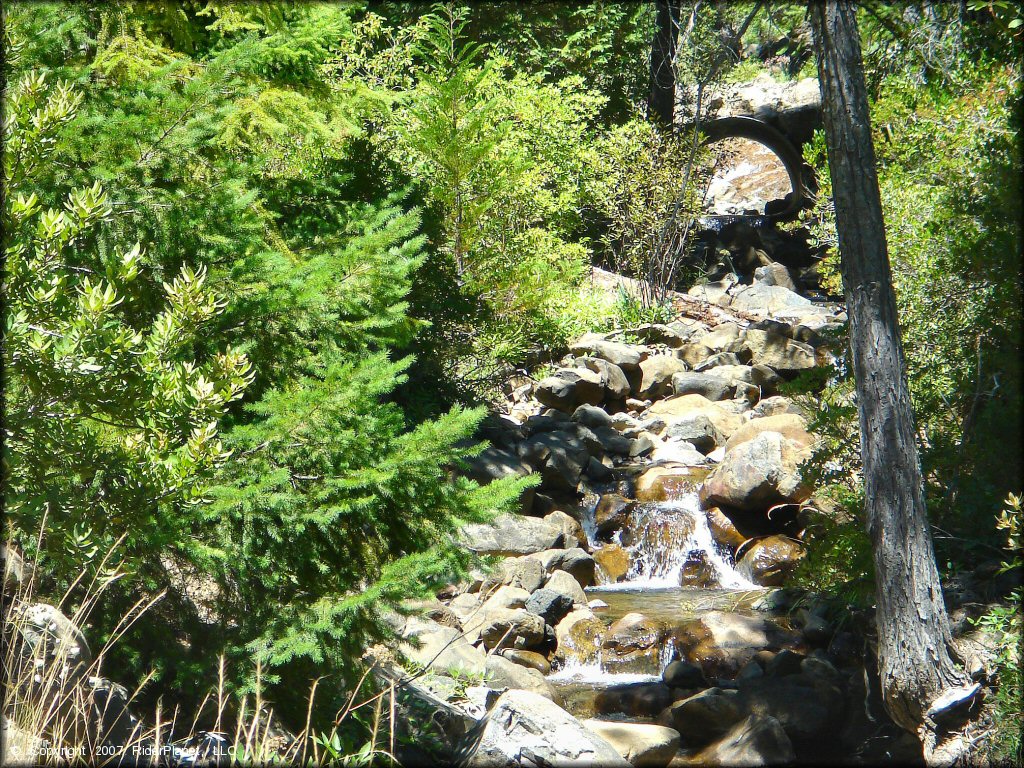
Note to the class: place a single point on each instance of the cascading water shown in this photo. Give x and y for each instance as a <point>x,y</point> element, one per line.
<point>662,539</point>
<point>667,536</point>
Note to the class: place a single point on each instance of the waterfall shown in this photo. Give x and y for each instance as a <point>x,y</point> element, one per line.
<point>663,537</point>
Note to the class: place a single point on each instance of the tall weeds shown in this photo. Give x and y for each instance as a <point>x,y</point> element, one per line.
<point>60,709</point>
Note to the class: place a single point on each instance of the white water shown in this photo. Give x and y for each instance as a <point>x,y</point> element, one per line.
<point>662,537</point>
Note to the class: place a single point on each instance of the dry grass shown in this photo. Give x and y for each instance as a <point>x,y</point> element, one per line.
<point>60,710</point>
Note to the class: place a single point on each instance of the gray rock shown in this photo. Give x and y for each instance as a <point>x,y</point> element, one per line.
<point>576,562</point>
<point>706,715</point>
<point>613,441</point>
<point>48,634</point>
<point>597,470</point>
<point>775,274</point>
<point>626,357</point>
<point>524,572</point>
<point>591,416</point>
<point>550,605</point>
<point>439,647</point>
<point>778,352</point>
<point>503,673</point>
<point>720,359</point>
<point>758,474</point>
<point>564,584</point>
<point>570,387</point>
<point>512,628</point>
<point>526,729</point>
<point>771,300</point>
<point>698,430</point>
<point>559,456</point>
<point>683,674</point>
<point>776,405</point>
<point>707,385</point>
<point>756,741</point>
<point>511,535</point>
<point>615,382</point>
<point>642,446</point>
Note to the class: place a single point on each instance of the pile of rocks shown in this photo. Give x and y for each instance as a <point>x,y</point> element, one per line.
<point>627,419</point>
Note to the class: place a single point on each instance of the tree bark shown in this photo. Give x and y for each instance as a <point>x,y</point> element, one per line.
<point>662,100</point>
<point>916,658</point>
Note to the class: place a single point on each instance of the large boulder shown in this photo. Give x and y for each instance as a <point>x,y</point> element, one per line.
<point>656,375</point>
<point>755,741</point>
<point>758,474</point>
<point>776,405</point>
<point>632,636</point>
<point>550,605</point>
<point>667,482</point>
<point>683,674</point>
<point>512,628</point>
<point>511,535</point>
<point>574,533</point>
<point>626,357</point>
<point>722,643</point>
<point>569,388</point>
<point>777,351</point>
<point>565,584</point>
<point>807,708</point>
<point>495,464</point>
<point>505,596</point>
<point>770,560</point>
<point>616,384</point>
<point>789,425</point>
<point>775,274</point>
<point>504,673</point>
<point>706,715</point>
<point>442,648</point>
<point>709,385</point>
<point>772,300</point>
<point>560,456</point>
<point>579,636</point>
<point>526,729</point>
<point>697,430</point>
<point>523,572</point>
<point>591,416</point>
<point>682,407</point>
<point>48,634</point>
<point>613,561</point>
<point>644,745</point>
<point>576,562</point>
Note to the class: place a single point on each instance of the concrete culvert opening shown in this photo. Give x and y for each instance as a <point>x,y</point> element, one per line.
<point>747,175</point>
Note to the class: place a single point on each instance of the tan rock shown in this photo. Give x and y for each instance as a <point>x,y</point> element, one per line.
<point>613,560</point>
<point>681,406</point>
<point>579,636</point>
<point>667,482</point>
<point>789,425</point>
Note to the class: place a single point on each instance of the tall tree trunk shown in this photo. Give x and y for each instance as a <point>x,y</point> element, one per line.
<point>915,652</point>
<point>662,100</point>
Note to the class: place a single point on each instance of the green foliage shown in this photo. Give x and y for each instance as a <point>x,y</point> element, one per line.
<point>948,167</point>
<point>111,420</point>
<point>1005,625</point>
<point>648,193</point>
<point>335,507</point>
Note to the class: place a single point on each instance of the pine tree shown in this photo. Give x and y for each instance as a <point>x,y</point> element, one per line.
<point>335,507</point>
